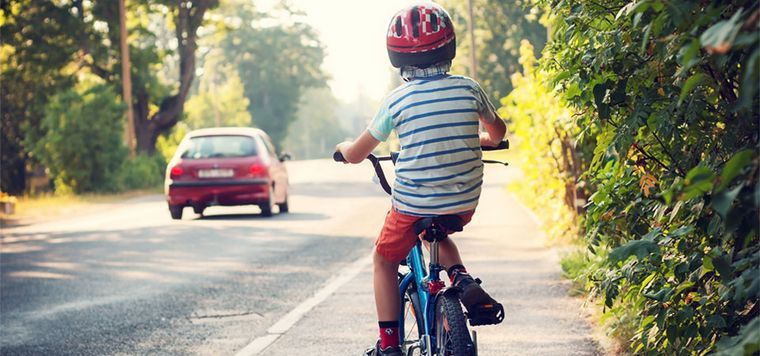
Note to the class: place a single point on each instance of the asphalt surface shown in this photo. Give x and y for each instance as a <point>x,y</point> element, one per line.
<point>129,280</point>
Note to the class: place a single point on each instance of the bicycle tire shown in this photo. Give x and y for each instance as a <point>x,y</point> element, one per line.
<point>412,300</point>
<point>452,337</point>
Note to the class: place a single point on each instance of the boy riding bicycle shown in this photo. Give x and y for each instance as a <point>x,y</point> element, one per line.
<point>438,169</point>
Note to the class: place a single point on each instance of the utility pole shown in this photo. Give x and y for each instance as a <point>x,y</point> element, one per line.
<point>473,57</point>
<point>126,79</point>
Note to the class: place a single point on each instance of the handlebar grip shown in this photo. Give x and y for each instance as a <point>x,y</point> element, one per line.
<point>503,145</point>
<point>338,157</point>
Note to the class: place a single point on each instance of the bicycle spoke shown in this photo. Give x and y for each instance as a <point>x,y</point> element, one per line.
<point>409,311</point>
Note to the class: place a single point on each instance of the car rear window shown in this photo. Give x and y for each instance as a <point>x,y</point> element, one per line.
<point>219,147</point>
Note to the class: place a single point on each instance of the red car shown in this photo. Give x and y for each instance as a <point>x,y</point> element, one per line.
<point>226,166</point>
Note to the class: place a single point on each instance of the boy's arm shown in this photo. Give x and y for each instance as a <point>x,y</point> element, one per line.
<point>357,150</point>
<point>495,131</point>
<point>494,125</point>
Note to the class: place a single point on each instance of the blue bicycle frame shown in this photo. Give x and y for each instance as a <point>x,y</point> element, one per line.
<point>418,276</point>
<point>423,278</point>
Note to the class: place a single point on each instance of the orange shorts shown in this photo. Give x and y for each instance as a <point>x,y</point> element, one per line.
<point>397,236</point>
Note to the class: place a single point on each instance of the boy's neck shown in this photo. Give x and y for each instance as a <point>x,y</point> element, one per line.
<point>438,70</point>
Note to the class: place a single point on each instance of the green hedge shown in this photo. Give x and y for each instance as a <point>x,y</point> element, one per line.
<point>665,96</point>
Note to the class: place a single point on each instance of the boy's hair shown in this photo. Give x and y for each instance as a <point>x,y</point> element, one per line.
<point>421,35</point>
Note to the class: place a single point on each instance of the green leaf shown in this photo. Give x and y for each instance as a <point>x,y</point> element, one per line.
<point>707,264</point>
<point>689,85</point>
<point>723,32</point>
<point>683,230</point>
<point>698,182</point>
<point>723,267</point>
<point>733,167</point>
<point>618,96</point>
<point>721,202</point>
<point>660,295</point>
<point>688,54</point>
<point>747,342</point>
<point>633,7</point>
<point>560,77</point>
<point>645,41</point>
<point>638,248</point>
<point>647,321</point>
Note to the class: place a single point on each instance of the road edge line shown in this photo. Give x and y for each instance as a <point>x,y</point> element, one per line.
<point>290,319</point>
<point>531,214</point>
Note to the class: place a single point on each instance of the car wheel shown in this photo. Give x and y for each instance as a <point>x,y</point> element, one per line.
<point>266,209</point>
<point>176,211</point>
<point>284,206</point>
<point>199,209</point>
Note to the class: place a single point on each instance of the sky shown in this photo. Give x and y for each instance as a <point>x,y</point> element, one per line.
<point>353,34</point>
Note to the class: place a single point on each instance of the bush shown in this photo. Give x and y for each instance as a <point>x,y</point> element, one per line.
<point>82,145</point>
<point>540,123</point>
<point>167,143</point>
<point>142,172</point>
<point>665,95</point>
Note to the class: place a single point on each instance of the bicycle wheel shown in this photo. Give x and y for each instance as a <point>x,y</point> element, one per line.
<point>451,335</point>
<point>413,324</point>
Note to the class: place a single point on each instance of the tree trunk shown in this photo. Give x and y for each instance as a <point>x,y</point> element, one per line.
<point>188,16</point>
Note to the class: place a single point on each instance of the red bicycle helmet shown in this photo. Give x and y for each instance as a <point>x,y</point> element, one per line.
<point>420,35</point>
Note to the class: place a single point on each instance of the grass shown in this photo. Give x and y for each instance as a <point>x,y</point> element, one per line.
<point>49,206</point>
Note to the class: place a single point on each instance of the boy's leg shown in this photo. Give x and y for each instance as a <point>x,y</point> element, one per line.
<point>394,243</point>
<point>386,288</point>
<point>448,253</point>
<point>471,294</point>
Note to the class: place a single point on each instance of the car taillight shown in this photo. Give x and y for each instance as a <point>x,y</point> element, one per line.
<point>258,170</point>
<point>176,172</point>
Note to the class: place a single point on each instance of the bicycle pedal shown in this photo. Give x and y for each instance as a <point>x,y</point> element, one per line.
<point>486,314</point>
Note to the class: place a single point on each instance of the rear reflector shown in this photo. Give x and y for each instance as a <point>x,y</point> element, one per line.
<point>258,170</point>
<point>176,171</point>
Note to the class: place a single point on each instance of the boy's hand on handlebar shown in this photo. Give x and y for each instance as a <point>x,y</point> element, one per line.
<point>486,141</point>
<point>357,150</point>
<point>342,148</point>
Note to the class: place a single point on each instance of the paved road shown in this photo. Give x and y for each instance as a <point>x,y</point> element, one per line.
<point>128,280</point>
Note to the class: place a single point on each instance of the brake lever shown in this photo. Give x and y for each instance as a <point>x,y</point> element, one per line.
<point>495,162</point>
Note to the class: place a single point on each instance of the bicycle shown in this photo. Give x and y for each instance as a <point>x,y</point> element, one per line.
<point>436,311</point>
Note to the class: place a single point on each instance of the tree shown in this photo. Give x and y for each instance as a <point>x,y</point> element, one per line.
<point>276,64</point>
<point>316,129</point>
<point>220,100</point>
<point>46,44</point>
<point>35,51</point>
<point>187,16</point>
<point>499,26</point>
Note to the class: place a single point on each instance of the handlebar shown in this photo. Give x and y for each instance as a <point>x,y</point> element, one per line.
<point>375,160</point>
<point>338,157</point>
<point>503,145</point>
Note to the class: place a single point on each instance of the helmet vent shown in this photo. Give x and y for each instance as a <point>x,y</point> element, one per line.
<point>398,26</point>
<point>416,22</point>
<point>434,22</point>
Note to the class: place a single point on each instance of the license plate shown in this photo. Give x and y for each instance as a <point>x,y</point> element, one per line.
<point>215,173</point>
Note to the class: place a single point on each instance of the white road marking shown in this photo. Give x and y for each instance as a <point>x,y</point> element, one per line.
<point>282,326</point>
<point>528,211</point>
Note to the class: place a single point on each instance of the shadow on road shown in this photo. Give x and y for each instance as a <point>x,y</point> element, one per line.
<point>109,289</point>
<point>292,216</point>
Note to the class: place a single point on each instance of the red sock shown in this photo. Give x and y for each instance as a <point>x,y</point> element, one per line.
<point>388,334</point>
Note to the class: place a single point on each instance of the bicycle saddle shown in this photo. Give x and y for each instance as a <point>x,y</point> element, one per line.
<point>438,227</point>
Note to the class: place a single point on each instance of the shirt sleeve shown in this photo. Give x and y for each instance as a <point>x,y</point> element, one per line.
<point>382,124</point>
<point>485,108</point>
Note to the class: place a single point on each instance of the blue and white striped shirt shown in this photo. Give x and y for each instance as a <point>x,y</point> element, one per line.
<point>439,169</point>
